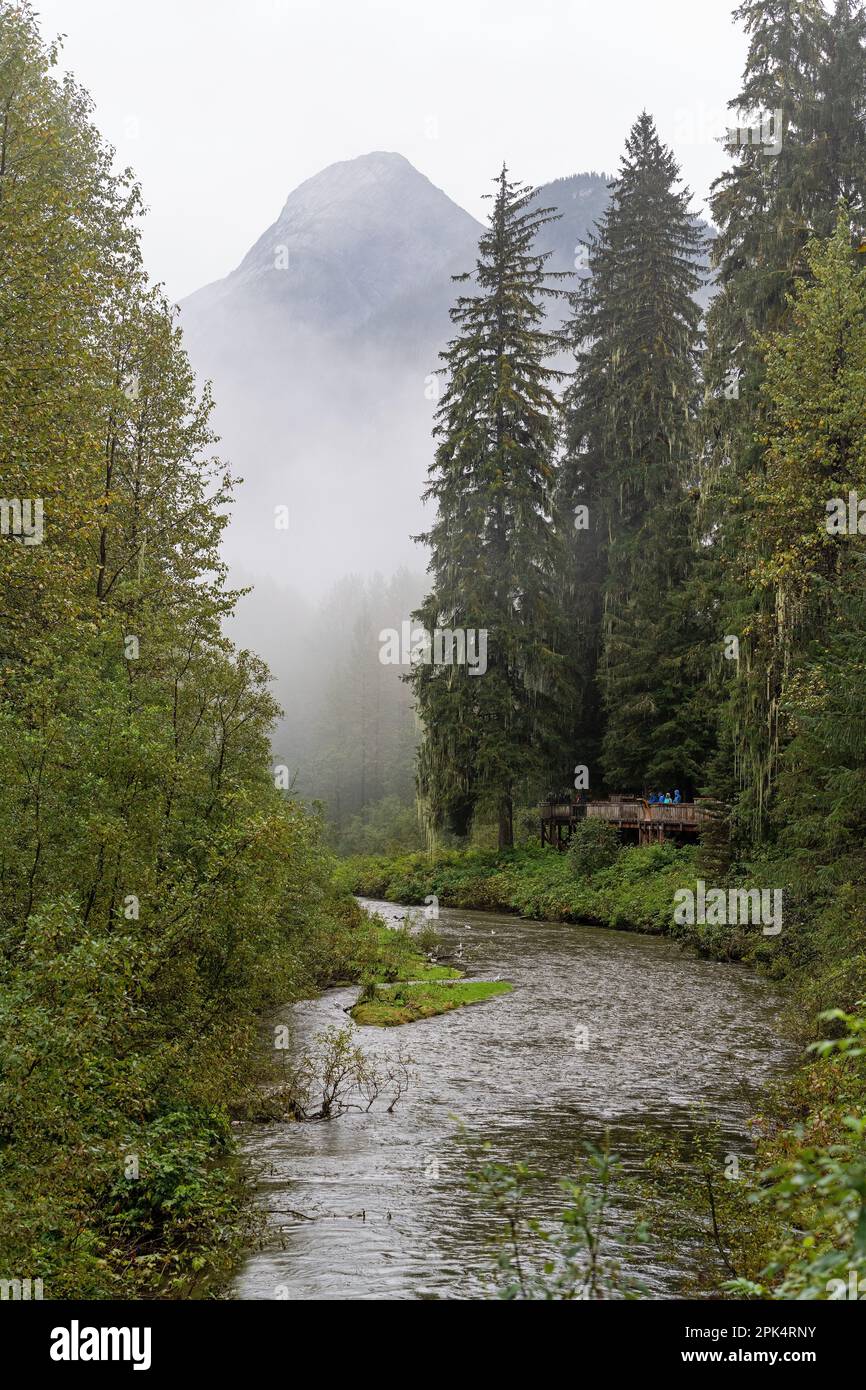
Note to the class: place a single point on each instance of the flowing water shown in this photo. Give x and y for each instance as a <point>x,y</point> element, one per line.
<point>604,1030</point>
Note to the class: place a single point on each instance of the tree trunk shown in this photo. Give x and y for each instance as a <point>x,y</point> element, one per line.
<point>506,827</point>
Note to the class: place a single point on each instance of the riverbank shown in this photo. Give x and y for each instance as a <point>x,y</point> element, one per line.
<point>634,893</point>
<point>189,1248</point>
<point>192,1213</point>
<point>602,1028</point>
<point>799,1221</point>
<point>164,1208</point>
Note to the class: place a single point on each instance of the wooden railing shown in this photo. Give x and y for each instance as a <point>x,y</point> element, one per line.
<point>626,811</point>
<point>561,810</point>
<point>621,812</point>
<point>687,813</point>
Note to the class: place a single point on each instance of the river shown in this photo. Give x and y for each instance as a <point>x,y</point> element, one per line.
<point>604,1029</point>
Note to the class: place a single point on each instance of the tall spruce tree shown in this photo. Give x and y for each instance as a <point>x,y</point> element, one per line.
<point>492,562</point>
<point>811,67</point>
<point>777,193</point>
<point>630,438</point>
<point>805,564</point>
<point>764,206</point>
<point>840,150</point>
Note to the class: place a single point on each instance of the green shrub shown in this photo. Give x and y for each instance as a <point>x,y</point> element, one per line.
<point>594,845</point>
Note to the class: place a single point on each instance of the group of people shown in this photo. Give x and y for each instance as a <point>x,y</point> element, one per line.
<point>664,798</point>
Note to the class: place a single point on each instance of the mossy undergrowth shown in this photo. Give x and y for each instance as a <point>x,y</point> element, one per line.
<point>635,893</point>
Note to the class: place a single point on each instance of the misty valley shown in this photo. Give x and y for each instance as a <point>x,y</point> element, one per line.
<point>431,698</point>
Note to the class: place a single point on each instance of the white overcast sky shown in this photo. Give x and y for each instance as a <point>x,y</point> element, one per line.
<point>223,106</point>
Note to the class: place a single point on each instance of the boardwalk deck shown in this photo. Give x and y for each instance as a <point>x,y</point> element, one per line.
<point>629,814</point>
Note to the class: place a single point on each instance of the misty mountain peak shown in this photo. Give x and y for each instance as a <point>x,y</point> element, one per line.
<point>364,239</point>
<point>381,177</point>
<point>322,342</point>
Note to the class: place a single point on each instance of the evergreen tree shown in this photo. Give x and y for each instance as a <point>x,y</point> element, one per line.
<point>839,155</point>
<point>804,92</point>
<point>810,67</point>
<point>630,440</point>
<point>765,204</point>
<point>492,543</point>
<point>821,781</point>
<point>801,561</point>
<point>363,742</point>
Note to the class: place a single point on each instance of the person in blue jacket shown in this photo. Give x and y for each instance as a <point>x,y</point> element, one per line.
<point>677,797</point>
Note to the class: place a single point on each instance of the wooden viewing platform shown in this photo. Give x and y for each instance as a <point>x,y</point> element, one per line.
<point>632,815</point>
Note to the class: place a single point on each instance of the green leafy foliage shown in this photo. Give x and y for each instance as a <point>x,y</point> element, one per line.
<point>816,1184</point>
<point>156,890</point>
<point>635,892</point>
<point>594,845</point>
